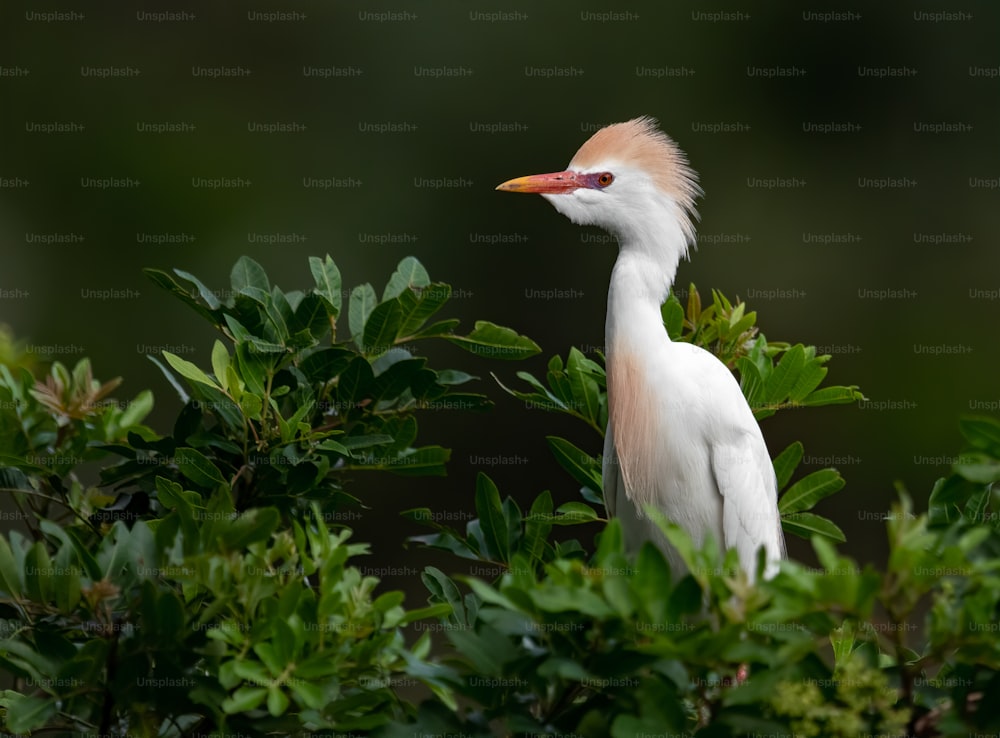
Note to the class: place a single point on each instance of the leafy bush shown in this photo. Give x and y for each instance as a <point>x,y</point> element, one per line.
<point>206,584</point>
<point>607,645</point>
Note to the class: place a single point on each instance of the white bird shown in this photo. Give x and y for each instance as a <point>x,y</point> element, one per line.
<point>680,435</point>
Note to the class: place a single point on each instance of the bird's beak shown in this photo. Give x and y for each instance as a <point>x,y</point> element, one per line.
<point>556,183</point>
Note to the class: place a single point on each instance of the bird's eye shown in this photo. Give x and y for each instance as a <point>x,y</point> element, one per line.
<point>605,179</point>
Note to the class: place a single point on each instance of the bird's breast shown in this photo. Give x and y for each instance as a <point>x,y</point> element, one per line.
<point>632,414</point>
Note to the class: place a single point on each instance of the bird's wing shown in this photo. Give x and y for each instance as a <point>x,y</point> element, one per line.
<point>610,472</point>
<point>750,520</point>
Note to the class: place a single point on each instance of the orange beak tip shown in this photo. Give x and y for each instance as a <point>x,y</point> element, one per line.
<point>513,185</point>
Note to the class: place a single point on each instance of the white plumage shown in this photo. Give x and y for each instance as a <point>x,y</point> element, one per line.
<point>680,436</point>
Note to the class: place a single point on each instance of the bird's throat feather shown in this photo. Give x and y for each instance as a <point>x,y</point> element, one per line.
<point>633,423</point>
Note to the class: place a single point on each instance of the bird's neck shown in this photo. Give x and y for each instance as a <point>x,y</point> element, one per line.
<point>635,343</point>
<point>640,282</point>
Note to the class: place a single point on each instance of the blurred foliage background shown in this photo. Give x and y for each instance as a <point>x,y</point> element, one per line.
<point>485,92</point>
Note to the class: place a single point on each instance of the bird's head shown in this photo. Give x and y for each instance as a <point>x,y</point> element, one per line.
<point>629,178</point>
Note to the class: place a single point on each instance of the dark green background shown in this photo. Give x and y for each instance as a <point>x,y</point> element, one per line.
<point>873,340</point>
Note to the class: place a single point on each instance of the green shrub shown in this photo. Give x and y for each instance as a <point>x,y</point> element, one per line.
<point>207,586</point>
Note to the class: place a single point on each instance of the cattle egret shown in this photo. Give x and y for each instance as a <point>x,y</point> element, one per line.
<point>680,436</point>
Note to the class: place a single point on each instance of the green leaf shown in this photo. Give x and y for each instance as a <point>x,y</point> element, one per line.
<point>328,283</point>
<point>809,379</point>
<point>447,540</point>
<point>312,316</point>
<point>485,647</point>
<point>610,544</point>
<point>310,695</point>
<point>72,538</point>
<point>237,329</point>
<point>693,311</point>
<point>807,525</point>
<point>652,581</point>
<point>677,536</point>
<point>252,367</point>
<point>584,390</point>
<point>38,573</point>
<point>137,410</point>
<point>206,294</point>
<point>982,432</point>
<point>496,342</point>
<point>574,513</point>
<point>560,667</point>
<point>559,382</point>
<point>513,524</point>
<point>247,274</point>
<point>353,443</point>
<point>751,381</point>
<point>283,641</point>
<point>325,364</point>
<point>805,493</point>
<point>12,478</point>
<point>537,526</point>
<point>978,504</point>
<point>382,327</point>
<point>10,572</point>
<point>25,713</point>
<point>419,462</point>
<point>188,370</point>
<point>832,396</point>
<point>489,594</point>
<point>244,699</point>
<point>561,598</point>
<point>786,462</point>
<point>410,274</point>
<point>441,329</point>
<point>356,383</point>
<point>673,317</point>
<point>196,467</point>
<point>452,377</point>
<point>249,527</point>
<point>491,518</point>
<point>442,588</point>
<point>66,587</point>
<point>316,667</point>
<point>398,378</point>
<point>165,281</point>
<point>275,316</point>
<point>585,469</point>
<point>26,660</point>
<point>978,467</point>
<point>440,610</point>
<point>948,497</point>
<point>842,639</point>
<point>785,374</point>
<point>252,405</point>
<point>826,554</point>
<point>220,363</point>
<point>543,398</point>
<point>362,303</point>
<point>417,308</point>
<point>251,671</point>
<point>387,601</point>
<point>181,392</point>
